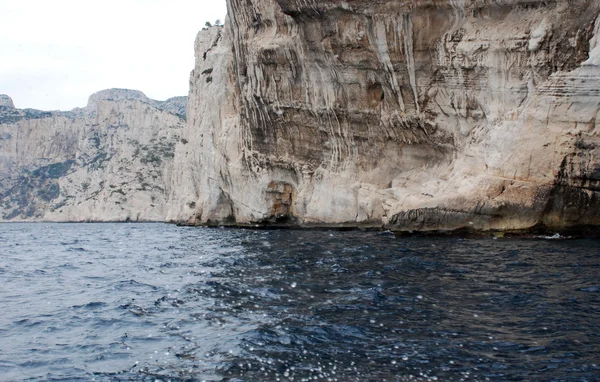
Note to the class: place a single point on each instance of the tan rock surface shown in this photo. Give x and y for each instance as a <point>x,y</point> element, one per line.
<point>415,115</point>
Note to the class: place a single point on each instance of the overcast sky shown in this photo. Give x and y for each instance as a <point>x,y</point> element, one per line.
<point>54,54</point>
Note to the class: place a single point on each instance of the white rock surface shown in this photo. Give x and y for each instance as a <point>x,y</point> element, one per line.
<point>468,114</point>
<point>6,101</point>
<point>594,59</point>
<point>109,161</point>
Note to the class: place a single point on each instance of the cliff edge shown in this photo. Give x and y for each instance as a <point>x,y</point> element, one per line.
<point>411,115</point>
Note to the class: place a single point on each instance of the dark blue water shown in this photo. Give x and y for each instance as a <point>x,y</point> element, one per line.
<point>121,302</point>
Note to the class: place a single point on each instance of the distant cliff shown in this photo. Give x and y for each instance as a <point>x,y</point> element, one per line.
<point>410,115</point>
<point>109,161</point>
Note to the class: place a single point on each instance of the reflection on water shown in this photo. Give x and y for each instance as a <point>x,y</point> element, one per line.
<point>152,301</point>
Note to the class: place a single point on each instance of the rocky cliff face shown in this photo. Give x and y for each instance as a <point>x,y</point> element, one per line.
<point>109,161</point>
<point>414,115</point>
<point>6,101</point>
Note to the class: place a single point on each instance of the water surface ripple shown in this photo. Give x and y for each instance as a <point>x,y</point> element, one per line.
<point>121,302</point>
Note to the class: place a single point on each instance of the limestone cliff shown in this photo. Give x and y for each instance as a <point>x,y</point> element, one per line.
<point>413,114</point>
<point>109,161</point>
<point>6,101</point>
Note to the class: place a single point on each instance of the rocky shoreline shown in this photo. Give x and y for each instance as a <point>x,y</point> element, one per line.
<point>396,115</point>
<point>408,116</point>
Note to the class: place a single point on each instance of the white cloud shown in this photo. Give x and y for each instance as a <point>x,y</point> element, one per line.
<point>54,54</point>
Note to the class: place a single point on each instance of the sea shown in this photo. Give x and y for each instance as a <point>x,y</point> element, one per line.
<point>158,302</point>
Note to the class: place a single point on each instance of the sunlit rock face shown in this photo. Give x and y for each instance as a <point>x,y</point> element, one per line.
<point>109,161</point>
<point>413,115</point>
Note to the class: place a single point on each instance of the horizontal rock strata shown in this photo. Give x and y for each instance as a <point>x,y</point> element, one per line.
<point>412,115</point>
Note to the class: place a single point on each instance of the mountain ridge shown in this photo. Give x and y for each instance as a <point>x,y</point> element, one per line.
<point>108,161</point>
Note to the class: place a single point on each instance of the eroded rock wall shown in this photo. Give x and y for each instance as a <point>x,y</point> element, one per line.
<point>109,161</point>
<point>415,115</point>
